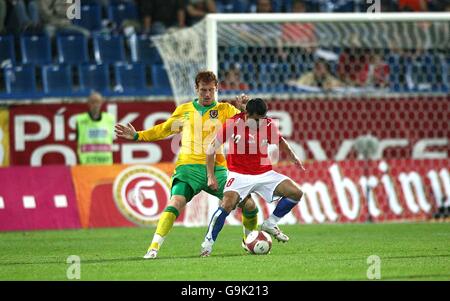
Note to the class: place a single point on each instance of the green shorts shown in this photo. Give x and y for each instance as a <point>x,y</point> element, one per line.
<point>188,180</point>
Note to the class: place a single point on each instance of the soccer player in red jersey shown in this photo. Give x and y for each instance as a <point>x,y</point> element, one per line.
<point>250,170</point>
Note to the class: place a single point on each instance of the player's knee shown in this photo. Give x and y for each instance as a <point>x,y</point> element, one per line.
<point>228,206</point>
<point>249,205</point>
<point>178,202</point>
<point>229,203</point>
<point>295,194</point>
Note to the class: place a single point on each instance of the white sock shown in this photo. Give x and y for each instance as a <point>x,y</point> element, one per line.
<point>246,232</point>
<point>158,239</point>
<point>273,219</point>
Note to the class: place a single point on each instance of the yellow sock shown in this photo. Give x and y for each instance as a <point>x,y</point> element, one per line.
<point>249,221</point>
<point>165,224</point>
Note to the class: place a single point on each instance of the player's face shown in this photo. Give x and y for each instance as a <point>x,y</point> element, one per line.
<point>206,93</point>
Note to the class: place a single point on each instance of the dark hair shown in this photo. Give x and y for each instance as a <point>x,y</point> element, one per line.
<point>206,77</point>
<point>256,106</point>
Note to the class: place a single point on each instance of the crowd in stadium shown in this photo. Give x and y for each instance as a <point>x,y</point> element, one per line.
<point>36,34</point>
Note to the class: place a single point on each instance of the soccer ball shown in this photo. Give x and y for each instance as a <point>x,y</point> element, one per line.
<point>258,242</point>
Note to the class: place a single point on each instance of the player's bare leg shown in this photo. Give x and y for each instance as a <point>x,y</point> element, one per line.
<point>291,195</point>
<point>175,206</point>
<point>229,202</point>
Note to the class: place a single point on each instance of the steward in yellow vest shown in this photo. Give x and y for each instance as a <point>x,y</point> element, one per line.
<point>95,133</point>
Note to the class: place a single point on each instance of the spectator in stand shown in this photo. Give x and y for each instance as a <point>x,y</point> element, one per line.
<point>264,6</point>
<point>158,16</point>
<point>376,72</point>
<point>53,14</point>
<point>360,67</point>
<point>320,77</point>
<point>232,80</point>
<point>23,15</point>
<point>198,9</point>
<point>352,63</point>
<point>413,5</point>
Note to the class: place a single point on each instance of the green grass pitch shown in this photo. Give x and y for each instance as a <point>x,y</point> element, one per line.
<point>408,251</point>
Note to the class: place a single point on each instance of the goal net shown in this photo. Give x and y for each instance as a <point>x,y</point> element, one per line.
<point>362,98</point>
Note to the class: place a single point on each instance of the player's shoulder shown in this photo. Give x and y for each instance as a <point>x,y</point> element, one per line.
<point>273,122</point>
<point>184,106</point>
<point>238,116</point>
<point>222,105</point>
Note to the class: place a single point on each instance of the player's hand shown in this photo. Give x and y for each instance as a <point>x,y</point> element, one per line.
<point>126,132</point>
<point>241,101</point>
<point>298,162</point>
<point>212,182</point>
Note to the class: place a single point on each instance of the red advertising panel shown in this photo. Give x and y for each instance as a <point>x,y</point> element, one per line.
<point>361,191</point>
<point>45,133</point>
<point>34,198</point>
<point>414,127</point>
<point>326,129</point>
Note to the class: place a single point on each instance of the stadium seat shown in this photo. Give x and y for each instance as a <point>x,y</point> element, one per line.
<point>108,48</point>
<point>57,79</point>
<point>91,17</point>
<point>146,52</point>
<point>94,77</point>
<point>7,49</point>
<point>72,49</point>
<point>20,79</point>
<point>242,6</point>
<point>224,6</point>
<point>129,77</point>
<point>35,49</point>
<point>122,11</point>
<point>160,80</point>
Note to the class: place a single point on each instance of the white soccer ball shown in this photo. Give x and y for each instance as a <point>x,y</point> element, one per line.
<point>258,242</point>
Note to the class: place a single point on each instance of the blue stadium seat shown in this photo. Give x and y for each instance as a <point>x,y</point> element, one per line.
<point>91,17</point>
<point>160,80</point>
<point>122,11</point>
<point>146,52</point>
<point>57,79</point>
<point>72,49</point>
<point>35,49</point>
<point>281,6</point>
<point>225,6</point>
<point>273,75</point>
<point>129,77</point>
<point>242,6</point>
<point>94,77</point>
<point>108,48</point>
<point>7,49</point>
<point>20,79</point>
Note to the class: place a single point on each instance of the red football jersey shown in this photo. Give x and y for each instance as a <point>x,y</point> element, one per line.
<point>248,144</point>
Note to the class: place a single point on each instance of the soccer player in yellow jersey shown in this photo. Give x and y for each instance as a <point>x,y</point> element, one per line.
<point>198,121</point>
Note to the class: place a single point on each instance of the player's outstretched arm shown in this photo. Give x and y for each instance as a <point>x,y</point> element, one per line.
<point>284,146</point>
<point>125,131</point>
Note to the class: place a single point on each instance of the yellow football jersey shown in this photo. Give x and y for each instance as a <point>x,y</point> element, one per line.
<point>198,126</point>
